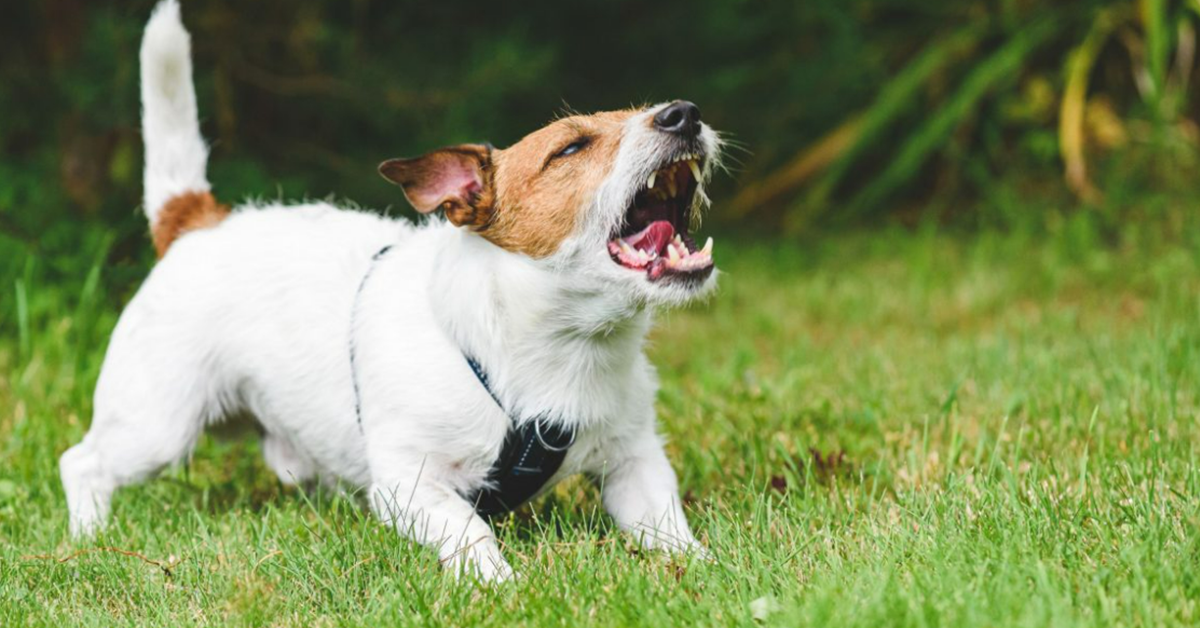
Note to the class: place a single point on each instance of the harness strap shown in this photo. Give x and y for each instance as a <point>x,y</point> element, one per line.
<point>353,316</point>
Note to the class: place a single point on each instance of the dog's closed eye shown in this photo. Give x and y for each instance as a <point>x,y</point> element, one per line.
<point>570,149</point>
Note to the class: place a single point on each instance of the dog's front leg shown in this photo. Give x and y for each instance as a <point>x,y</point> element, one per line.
<point>435,515</point>
<point>641,493</point>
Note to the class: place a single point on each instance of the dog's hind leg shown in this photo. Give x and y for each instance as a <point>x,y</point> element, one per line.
<point>149,413</point>
<point>290,465</point>
<point>121,449</point>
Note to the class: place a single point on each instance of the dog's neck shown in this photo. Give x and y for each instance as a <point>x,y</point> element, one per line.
<point>549,341</point>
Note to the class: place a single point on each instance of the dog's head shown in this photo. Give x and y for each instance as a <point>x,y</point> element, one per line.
<point>612,196</point>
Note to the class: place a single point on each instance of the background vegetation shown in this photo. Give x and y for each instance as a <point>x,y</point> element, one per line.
<point>977,113</point>
<point>950,379</point>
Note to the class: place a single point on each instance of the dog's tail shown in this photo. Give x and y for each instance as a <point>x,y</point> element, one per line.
<point>177,197</point>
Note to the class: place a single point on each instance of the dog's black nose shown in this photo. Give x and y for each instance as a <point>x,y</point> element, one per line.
<point>680,117</point>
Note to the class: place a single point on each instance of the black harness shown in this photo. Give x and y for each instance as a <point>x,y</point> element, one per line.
<point>532,453</point>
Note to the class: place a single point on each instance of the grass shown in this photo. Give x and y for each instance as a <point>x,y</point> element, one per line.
<point>908,429</point>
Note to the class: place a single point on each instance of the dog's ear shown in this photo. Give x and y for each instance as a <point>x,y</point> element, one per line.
<point>457,178</point>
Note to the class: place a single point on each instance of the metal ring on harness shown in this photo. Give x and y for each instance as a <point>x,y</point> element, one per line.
<point>537,431</point>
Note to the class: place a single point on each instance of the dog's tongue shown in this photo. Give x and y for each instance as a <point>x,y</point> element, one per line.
<point>652,239</point>
<point>658,249</point>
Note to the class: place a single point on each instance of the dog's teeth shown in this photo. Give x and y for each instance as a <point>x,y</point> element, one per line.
<point>673,253</point>
<point>650,181</point>
<point>672,189</point>
<point>695,168</point>
<point>681,246</point>
<point>626,249</point>
<point>707,250</point>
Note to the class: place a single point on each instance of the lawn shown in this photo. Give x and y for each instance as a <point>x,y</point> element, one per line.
<point>905,428</point>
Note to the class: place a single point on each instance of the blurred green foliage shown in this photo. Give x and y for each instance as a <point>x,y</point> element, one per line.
<point>840,112</point>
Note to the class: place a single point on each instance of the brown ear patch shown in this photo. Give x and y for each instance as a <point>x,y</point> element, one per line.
<point>183,213</point>
<point>457,179</point>
<point>541,200</point>
<point>526,198</point>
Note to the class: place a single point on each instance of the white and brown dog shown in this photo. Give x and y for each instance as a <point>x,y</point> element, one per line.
<point>432,365</point>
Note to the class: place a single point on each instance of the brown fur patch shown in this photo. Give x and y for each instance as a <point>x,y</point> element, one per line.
<point>540,199</point>
<point>526,198</point>
<point>183,213</point>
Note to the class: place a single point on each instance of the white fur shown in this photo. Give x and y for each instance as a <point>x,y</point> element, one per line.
<point>257,315</point>
<point>175,151</point>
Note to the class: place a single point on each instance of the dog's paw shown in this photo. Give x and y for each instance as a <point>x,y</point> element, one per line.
<point>486,570</point>
<point>492,573</point>
<point>699,552</point>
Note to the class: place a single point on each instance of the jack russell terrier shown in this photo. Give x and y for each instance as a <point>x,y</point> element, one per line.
<point>453,369</point>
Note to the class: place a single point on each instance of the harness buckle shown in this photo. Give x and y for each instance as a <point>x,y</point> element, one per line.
<point>537,431</point>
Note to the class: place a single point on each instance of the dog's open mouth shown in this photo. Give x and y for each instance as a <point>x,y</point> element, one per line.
<point>654,236</point>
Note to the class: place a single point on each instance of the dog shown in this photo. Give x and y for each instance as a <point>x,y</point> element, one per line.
<point>451,369</point>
